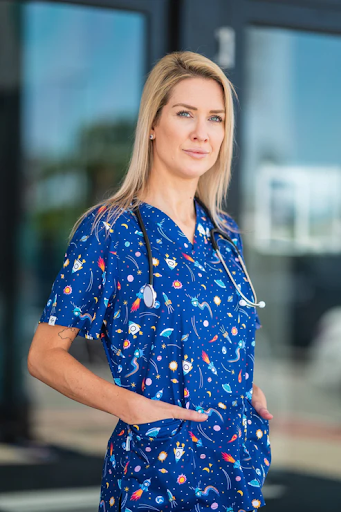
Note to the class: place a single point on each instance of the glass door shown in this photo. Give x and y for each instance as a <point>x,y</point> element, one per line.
<point>71,81</point>
<point>290,183</point>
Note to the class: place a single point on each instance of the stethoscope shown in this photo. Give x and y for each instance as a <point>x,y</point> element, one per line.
<point>149,294</point>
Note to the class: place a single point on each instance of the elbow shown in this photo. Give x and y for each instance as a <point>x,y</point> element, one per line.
<point>30,366</point>
<point>32,363</point>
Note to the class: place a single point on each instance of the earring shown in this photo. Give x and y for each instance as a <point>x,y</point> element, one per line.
<point>151,136</point>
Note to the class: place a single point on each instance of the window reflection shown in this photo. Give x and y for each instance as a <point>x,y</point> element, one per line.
<point>291,215</point>
<point>83,73</point>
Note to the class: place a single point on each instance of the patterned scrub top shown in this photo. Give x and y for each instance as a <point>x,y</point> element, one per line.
<point>194,349</point>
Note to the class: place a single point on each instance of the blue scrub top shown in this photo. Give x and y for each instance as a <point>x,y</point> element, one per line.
<point>194,349</point>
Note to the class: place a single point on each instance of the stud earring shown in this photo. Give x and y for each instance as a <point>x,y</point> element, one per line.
<point>151,136</point>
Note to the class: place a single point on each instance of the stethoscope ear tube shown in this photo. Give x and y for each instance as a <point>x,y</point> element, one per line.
<point>224,235</point>
<point>149,294</point>
<point>245,300</point>
<point>150,257</point>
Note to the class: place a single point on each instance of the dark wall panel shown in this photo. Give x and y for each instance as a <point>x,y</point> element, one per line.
<point>310,3</point>
<point>295,15</point>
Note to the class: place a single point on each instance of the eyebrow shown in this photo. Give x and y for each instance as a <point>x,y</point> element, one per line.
<point>195,108</point>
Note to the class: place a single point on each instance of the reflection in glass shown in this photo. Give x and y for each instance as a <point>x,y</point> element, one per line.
<point>291,220</point>
<point>83,72</point>
<point>298,210</point>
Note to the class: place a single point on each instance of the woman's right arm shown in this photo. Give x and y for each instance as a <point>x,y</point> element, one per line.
<point>49,361</point>
<point>77,305</point>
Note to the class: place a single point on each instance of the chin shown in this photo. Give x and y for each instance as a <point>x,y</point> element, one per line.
<point>195,169</point>
<point>192,173</point>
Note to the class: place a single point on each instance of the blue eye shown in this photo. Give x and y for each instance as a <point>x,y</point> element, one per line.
<point>186,112</point>
<point>220,118</point>
<point>182,112</point>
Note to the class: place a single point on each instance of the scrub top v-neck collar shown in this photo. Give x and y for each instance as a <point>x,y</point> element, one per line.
<point>164,231</point>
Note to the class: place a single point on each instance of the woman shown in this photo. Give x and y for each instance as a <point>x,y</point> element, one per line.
<point>188,435</point>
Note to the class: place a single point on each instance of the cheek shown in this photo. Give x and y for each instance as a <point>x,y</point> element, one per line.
<point>167,144</point>
<point>218,139</point>
<point>174,131</point>
<point>170,138</point>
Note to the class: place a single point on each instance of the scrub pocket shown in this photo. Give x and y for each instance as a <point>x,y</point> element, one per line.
<point>258,441</point>
<point>160,429</point>
<point>160,454</point>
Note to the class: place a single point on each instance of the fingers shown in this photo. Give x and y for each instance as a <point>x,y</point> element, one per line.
<point>264,413</point>
<point>187,414</point>
<point>200,417</point>
<point>259,403</point>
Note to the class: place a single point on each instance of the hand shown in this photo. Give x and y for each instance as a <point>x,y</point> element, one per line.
<point>259,403</point>
<point>141,409</point>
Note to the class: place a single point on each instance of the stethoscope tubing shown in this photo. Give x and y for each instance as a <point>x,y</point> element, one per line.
<point>213,231</point>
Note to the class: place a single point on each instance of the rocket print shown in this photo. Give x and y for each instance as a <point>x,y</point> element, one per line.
<point>194,349</point>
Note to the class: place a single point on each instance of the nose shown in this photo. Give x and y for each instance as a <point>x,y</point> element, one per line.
<point>200,131</point>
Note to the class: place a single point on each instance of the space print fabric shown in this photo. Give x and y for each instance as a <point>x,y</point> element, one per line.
<point>194,348</point>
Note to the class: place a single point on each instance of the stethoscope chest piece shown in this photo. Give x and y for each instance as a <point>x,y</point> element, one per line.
<point>149,295</point>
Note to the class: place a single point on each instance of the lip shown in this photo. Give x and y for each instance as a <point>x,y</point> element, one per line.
<point>196,153</point>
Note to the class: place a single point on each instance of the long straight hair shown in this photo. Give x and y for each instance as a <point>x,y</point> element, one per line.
<point>213,185</point>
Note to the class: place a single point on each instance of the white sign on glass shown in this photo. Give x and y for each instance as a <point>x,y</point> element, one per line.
<point>298,209</point>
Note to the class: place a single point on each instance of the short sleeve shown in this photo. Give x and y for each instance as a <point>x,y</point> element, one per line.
<point>237,240</point>
<point>87,282</point>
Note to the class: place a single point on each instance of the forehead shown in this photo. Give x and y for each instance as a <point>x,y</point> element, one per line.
<point>199,92</point>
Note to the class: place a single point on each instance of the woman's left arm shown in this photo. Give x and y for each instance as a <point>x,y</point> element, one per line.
<point>259,403</point>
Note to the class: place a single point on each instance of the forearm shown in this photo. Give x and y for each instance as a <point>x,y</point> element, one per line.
<point>61,371</point>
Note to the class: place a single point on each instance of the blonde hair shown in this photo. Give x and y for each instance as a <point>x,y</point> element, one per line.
<point>213,184</point>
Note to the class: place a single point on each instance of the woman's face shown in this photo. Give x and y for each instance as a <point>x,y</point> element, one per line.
<point>192,120</point>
